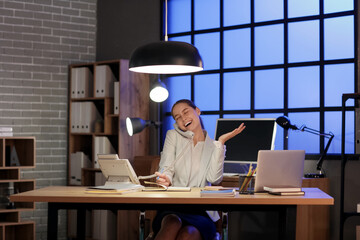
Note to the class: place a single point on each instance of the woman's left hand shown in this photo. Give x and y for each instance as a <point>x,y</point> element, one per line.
<point>227,136</point>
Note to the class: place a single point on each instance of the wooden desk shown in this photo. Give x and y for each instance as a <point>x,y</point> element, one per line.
<point>65,197</point>
<point>312,222</point>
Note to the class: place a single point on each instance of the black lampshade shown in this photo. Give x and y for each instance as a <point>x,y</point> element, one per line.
<point>166,57</point>
<point>285,123</point>
<point>136,125</point>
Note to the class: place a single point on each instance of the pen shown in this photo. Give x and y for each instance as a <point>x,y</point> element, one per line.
<point>161,171</point>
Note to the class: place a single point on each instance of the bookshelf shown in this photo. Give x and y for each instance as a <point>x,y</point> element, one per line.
<point>11,224</point>
<point>97,87</point>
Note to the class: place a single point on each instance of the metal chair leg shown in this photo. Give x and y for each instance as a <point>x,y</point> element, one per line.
<point>142,225</point>
<point>225,225</point>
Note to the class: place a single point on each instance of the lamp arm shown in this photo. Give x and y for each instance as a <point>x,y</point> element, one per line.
<point>319,163</point>
<point>156,124</point>
<point>329,135</point>
<point>316,132</point>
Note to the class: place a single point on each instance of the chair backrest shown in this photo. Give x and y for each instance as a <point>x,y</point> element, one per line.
<point>146,165</point>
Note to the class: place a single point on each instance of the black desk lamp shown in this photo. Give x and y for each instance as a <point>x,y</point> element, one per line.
<point>284,122</point>
<point>136,125</point>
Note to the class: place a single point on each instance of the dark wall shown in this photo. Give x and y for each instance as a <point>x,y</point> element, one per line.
<point>123,25</point>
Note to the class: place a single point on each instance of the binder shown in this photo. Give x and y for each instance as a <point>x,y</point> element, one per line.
<point>116,97</point>
<point>104,224</point>
<point>75,117</point>
<point>74,83</point>
<point>104,81</point>
<point>78,161</point>
<point>102,145</point>
<point>89,115</point>
<point>81,82</point>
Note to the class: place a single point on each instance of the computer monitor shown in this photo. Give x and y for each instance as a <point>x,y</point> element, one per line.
<point>259,134</point>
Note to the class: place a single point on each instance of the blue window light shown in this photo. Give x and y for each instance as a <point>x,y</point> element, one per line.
<point>303,8</point>
<point>208,45</point>
<point>339,79</point>
<point>269,89</point>
<point>331,6</point>
<point>262,8</point>
<point>207,14</point>
<point>237,91</point>
<point>236,12</point>
<point>269,45</point>
<point>304,44</point>
<point>339,37</point>
<point>333,122</point>
<point>179,16</point>
<point>304,80</point>
<point>237,48</point>
<point>206,91</point>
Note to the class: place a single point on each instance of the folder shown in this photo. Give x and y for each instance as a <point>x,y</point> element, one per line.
<point>104,81</point>
<point>116,97</point>
<point>78,161</point>
<point>81,82</point>
<point>102,145</point>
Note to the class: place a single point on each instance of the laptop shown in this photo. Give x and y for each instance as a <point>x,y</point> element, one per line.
<point>277,168</point>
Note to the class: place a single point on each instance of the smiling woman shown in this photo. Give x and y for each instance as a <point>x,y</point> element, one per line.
<point>190,158</point>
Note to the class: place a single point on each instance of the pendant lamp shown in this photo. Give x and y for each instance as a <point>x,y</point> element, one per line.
<point>166,57</point>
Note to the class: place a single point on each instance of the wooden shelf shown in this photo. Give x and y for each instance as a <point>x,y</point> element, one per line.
<point>11,226</point>
<point>133,102</point>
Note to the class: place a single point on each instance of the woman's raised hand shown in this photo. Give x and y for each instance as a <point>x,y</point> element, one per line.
<point>223,138</point>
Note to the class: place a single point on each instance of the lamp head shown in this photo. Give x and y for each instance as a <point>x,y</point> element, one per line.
<point>284,122</point>
<point>135,125</point>
<point>166,57</point>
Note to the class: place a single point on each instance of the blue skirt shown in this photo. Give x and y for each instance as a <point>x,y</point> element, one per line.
<point>201,221</point>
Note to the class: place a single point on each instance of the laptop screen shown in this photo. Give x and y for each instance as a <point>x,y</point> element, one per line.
<point>259,134</point>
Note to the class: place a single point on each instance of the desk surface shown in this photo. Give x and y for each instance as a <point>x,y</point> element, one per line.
<point>70,194</point>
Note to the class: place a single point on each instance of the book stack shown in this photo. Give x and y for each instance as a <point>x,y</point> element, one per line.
<point>218,193</point>
<point>284,190</point>
<point>6,132</point>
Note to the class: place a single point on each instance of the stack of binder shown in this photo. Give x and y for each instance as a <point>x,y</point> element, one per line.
<point>81,82</point>
<point>84,115</point>
<point>104,81</point>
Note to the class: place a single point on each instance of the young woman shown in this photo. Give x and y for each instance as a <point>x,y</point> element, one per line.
<point>190,158</point>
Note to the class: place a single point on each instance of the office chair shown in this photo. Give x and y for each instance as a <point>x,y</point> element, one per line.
<point>142,165</point>
<point>223,235</point>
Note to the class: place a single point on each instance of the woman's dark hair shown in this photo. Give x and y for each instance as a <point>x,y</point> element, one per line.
<point>189,103</point>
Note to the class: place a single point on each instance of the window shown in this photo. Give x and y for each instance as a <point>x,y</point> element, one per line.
<point>267,59</point>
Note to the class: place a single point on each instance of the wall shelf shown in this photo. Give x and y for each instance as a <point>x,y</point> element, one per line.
<point>133,101</point>
<point>11,225</point>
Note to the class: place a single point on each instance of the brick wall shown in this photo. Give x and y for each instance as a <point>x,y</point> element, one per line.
<point>38,40</point>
